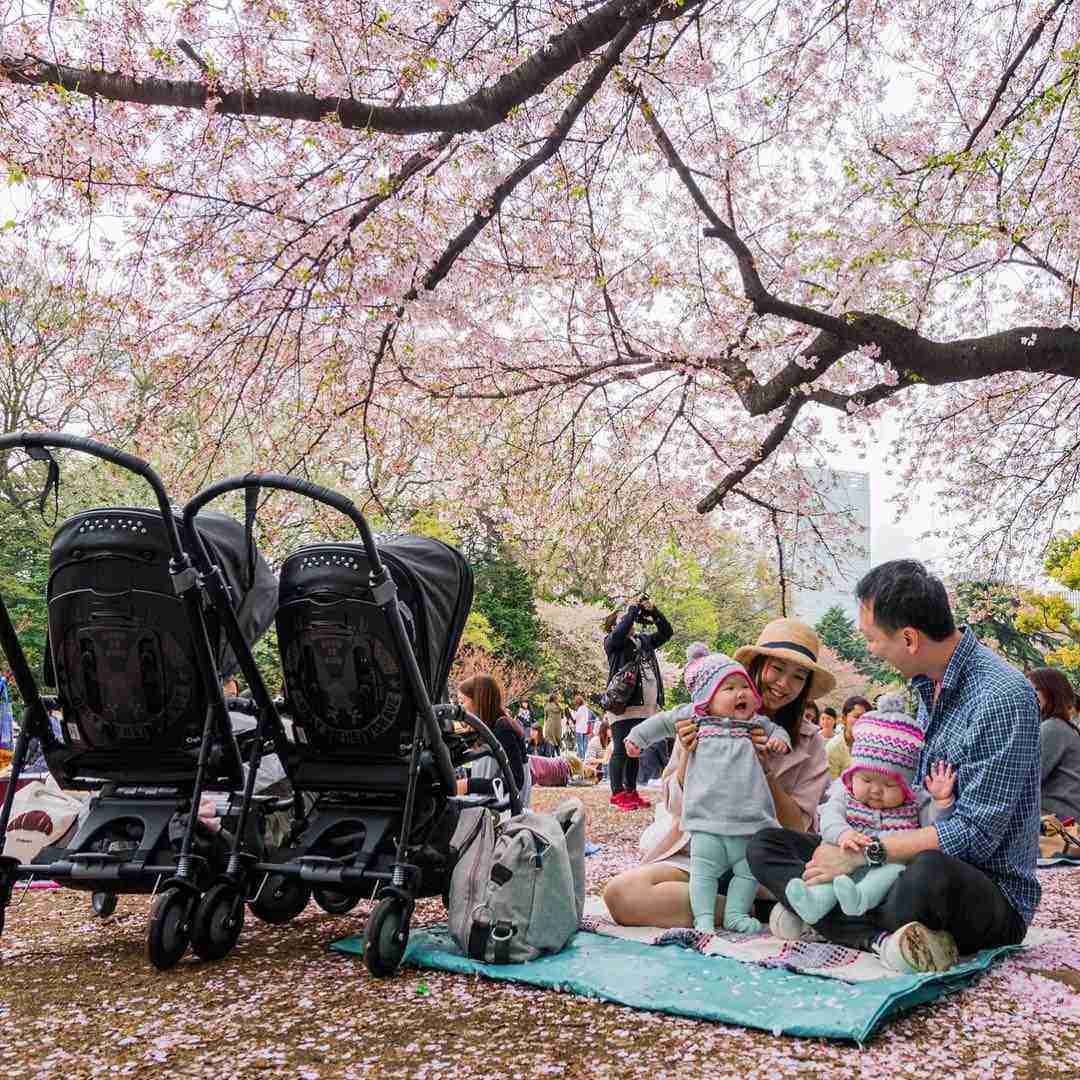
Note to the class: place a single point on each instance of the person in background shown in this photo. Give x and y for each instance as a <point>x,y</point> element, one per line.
<point>624,645</point>
<point>838,747</point>
<point>553,720</point>
<point>582,720</point>
<point>1059,744</point>
<point>598,752</point>
<point>538,746</point>
<point>827,720</point>
<point>812,714</point>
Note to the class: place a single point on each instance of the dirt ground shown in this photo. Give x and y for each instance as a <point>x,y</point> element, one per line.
<point>79,999</point>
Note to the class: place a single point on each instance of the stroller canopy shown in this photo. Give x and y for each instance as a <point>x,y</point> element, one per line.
<point>442,584</point>
<point>252,583</point>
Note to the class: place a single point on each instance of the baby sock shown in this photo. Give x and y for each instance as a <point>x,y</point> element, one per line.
<point>739,904</point>
<point>812,902</point>
<point>850,897</point>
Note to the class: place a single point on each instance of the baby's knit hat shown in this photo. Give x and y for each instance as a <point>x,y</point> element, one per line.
<point>705,671</point>
<point>887,741</point>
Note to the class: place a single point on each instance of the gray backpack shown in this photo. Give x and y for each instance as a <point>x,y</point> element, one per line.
<point>518,889</point>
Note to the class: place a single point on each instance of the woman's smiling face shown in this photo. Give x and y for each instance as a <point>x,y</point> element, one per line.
<point>780,682</point>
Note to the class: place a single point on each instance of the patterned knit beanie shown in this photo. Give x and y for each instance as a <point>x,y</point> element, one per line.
<point>886,741</point>
<point>705,671</point>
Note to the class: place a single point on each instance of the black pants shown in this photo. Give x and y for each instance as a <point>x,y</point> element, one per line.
<point>653,761</point>
<point>624,769</point>
<point>937,890</point>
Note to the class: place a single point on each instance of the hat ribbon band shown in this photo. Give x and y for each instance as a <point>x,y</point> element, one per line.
<point>789,645</point>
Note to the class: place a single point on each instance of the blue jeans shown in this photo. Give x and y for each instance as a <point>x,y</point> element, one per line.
<point>582,744</point>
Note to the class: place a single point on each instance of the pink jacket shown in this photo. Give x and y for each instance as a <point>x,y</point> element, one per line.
<point>803,774</point>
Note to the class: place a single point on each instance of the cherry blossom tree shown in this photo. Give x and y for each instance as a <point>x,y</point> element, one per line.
<point>413,245</point>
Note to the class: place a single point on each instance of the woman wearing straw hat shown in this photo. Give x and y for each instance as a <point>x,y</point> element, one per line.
<point>784,667</point>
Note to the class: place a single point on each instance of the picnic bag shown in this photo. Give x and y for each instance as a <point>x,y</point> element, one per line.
<point>518,888</point>
<point>40,815</point>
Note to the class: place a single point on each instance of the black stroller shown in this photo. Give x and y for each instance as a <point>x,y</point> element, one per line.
<point>367,635</point>
<point>139,715</point>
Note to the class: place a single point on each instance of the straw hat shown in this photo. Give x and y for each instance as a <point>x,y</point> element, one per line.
<point>789,639</point>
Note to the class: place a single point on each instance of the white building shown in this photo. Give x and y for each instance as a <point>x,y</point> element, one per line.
<point>823,570</point>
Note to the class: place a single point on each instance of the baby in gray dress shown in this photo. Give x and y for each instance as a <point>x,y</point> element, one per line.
<point>726,796</point>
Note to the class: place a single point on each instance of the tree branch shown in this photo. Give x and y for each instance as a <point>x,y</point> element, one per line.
<point>478,112</point>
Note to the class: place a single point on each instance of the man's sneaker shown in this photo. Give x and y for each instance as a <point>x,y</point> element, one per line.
<point>784,924</point>
<point>914,948</point>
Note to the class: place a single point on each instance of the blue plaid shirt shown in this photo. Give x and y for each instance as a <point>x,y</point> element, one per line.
<point>985,723</point>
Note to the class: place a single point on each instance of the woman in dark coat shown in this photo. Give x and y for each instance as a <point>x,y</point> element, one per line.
<point>628,641</point>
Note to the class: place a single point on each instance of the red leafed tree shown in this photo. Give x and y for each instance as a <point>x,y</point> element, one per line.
<point>516,678</point>
<point>591,242</point>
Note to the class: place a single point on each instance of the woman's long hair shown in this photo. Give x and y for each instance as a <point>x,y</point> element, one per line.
<point>486,694</point>
<point>790,716</point>
<point>1057,690</point>
<point>604,734</point>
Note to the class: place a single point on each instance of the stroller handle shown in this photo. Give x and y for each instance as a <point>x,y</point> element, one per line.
<point>29,440</point>
<point>289,483</point>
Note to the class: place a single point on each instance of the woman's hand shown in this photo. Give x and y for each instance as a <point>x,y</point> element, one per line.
<point>687,733</point>
<point>632,749</point>
<point>761,743</point>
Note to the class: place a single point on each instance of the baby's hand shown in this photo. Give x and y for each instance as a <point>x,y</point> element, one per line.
<point>632,749</point>
<point>940,781</point>
<point>776,745</point>
<point>853,841</point>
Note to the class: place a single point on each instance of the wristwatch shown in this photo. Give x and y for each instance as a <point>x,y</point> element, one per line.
<point>875,853</point>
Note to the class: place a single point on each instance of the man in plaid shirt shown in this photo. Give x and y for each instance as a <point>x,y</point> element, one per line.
<point>970,880</point>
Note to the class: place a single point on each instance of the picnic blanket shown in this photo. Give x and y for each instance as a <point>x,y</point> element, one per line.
<point>781,996</point>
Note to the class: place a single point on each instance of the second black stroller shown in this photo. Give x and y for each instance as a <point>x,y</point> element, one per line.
<point>367,633</point>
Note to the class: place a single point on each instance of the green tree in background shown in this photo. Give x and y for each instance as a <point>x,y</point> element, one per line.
<point>991,610</point>
<point>504,595</point>
<point>1051,616</point>
<point>839,633</point>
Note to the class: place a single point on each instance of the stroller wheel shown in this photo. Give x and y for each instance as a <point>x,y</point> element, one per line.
<point>218,920</point>
<point>386,937</point>
<point>103,903</point>
<point>280,899</point>
<point>169,931</point>
<point>334,902</point>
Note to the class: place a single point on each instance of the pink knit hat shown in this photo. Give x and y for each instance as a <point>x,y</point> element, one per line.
<point>705,671</point>
<point>888,742</point>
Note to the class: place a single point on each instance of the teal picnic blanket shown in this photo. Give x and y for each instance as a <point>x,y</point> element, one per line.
<point>686,983</point>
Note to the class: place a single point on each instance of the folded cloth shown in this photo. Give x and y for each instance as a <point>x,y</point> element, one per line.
<point>549,772</point>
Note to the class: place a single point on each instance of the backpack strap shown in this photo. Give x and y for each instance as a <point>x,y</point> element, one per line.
<point>478,939</point>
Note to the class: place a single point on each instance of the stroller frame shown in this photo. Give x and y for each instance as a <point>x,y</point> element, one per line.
<point>179,915</point>
<point>340,884</point>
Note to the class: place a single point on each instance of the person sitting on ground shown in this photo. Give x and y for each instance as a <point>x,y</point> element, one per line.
<point>727,798</point>
<point>624,646</point>
<point>1059,742</point>
<point>838,747</point>
<point>784,668</point>
<point>970,881</point>
<point>874,796</point>
<point>598,752</point>
<point>653,761</point>
<point>829,718</point>
<point>481,695</point>
<point>538,746</point>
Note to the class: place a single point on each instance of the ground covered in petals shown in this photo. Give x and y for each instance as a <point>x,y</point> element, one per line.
<point>79,999</point>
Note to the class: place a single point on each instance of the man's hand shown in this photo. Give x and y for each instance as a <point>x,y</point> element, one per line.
<point>854,841</point>
<point>632,749</point>
<point>687,732</point>
<point>829,862</point>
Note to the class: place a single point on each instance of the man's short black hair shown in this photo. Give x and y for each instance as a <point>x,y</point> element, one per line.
<point>904,593</point>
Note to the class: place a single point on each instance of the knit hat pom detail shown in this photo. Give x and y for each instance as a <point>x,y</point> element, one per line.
<point>894,702</point>
<point>696,650</point>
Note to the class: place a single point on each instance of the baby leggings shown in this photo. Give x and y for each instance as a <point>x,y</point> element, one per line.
<point>711,856</point>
